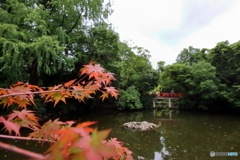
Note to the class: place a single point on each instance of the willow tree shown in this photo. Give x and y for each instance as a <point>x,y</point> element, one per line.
<point>41,36</point>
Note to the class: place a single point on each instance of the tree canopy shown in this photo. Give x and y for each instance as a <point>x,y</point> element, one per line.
<point>42,36</point>
<point>46,42</point>
<point>208,77</point>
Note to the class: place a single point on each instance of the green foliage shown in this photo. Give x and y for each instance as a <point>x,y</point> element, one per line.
<point>129,99</point>
<point>207,77</point>
<point>173,77</point>
<point>147,101</point>
<point>136,69</point>
<point>198,82</point>
<point>101,45</point>
<point>225,58</point>
<point>160,66</point>
<point>46,42</point>
<point>41,37</point>
<point>191,55</point>
<point>203,79</point>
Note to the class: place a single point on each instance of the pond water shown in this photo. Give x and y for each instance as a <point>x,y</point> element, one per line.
<point>181,135</point>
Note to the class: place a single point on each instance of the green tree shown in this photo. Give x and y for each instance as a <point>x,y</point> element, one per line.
<point>129,99</point>
<point>160,66</point>
<point>224,57</point>
<point>41,37</point>
<point>173,77</point>
<point>100,44</point>
<point>198,82</point>
<point>203,83</point>
<point>136,72</point>
<point>191,55</point>
<point>208,77</point>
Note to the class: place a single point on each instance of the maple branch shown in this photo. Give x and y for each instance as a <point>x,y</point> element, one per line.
<point>26,138</point>
<point>38,92</point>
<point>80,80</point>
<point>21,151</point>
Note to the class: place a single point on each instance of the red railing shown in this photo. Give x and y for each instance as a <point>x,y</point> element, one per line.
<point>168,94</point>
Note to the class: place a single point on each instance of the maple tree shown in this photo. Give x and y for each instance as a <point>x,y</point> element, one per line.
<point>68,142</point>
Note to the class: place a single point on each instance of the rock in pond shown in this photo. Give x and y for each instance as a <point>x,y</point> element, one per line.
<point>140,126</point>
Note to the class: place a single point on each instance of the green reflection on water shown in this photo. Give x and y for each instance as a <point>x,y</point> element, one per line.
<point>182,135</point>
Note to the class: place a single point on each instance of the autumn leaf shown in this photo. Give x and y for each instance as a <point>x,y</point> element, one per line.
<point>69,83</point>
<point>22,103</point>
<point>71,135</point>
<point>94,147</point>
<point>24,118</point>
<point>35,88</point>
<point>70,123</point>
<point>115,142</point>
<point>59,96</point>
<point>9,126</point>
<point>108,77</point>
<point>85,127</point>
<point>104,95</point>
<point>48,129</point>
<point>112,91</point>
<point>122,152</point>
<point>21,94</point>
<point>18,83</point>
<point>93,70</point>
<point>7,101</point>
<point>56,97</point>
<point>20,114</point>
<point>86,124</point>
<point>56,87</point>
<point>3,92</point>
<point>85,69</point>
<point>81,93</point>
<point>80,142</point>
<point>66,137</point>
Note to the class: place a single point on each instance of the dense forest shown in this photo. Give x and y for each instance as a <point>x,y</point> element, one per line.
<point>209,78</point>
<point>47,42</point>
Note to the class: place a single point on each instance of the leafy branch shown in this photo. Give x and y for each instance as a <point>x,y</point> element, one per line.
<point>22,151</point>
<point>79,142</point>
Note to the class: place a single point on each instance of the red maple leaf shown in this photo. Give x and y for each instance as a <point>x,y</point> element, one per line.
<point>94,147</point>
<point>69,83</point>
<point>10,126</point>
<point>48,129</point>
<point>112,91</point>
<point>20,114</point>
<point>92,70</point>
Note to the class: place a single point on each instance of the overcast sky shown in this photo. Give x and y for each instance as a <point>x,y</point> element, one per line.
<point>165,27</point>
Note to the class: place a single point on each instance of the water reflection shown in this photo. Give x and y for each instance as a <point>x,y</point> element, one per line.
<point>181,135</point>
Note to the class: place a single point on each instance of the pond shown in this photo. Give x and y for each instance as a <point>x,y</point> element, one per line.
<point>181,135</point>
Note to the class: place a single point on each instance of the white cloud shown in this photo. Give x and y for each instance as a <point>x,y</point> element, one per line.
<point>224,27</point>
<point>140,20</point>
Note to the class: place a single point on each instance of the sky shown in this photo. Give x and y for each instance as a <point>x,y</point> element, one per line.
<point>166,27</point>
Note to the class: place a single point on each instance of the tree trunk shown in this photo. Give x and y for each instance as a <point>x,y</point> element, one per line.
<point>33,79</point>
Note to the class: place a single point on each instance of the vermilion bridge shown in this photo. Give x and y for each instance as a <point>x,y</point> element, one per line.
<point>168,96</point>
